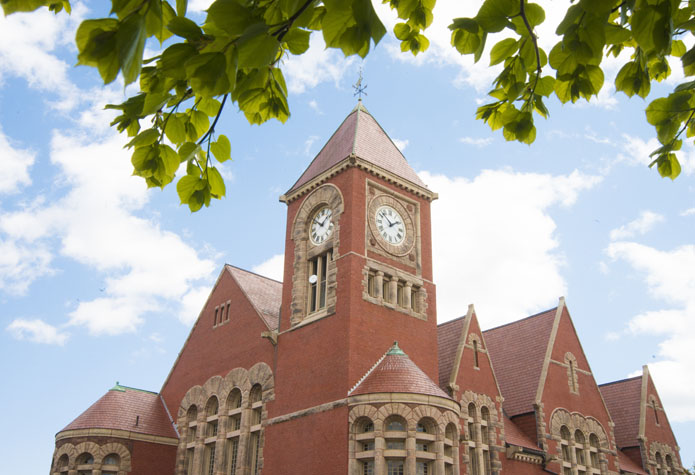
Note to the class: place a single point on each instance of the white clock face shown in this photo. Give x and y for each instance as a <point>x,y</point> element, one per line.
<point>321,225</point>
<point>390,225</point>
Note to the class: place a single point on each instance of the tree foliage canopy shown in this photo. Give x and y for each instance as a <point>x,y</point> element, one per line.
<point>236,55</point>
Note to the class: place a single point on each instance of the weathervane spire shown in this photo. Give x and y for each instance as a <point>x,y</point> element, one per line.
<point>359,88</point>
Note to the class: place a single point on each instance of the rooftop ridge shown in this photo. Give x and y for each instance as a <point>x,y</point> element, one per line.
<point>253,273</point>
<point>624,380</point>
<point>520,320</point>
<point>121,388</point>
<point>370,371</point>
<point>439,325</point>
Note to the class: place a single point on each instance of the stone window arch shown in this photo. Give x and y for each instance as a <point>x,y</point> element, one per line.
<point>575,455</point>
<point>254,447</point>
<point>474,343</point>
<point>363,429</point>
<point>593,451</point>
<point>659,464</point>
<point>319,258</point>
<point>450,448</point>
<point>191,430</point>
<point>486,439</point>
<point>662,459</point>
<point>395,435</point>
<point>62,465</point>
<point>110,464</point>
<point>233,435</point>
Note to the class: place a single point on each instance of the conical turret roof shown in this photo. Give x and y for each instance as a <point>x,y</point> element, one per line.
<point>361,136</point>
<point>395,372</point>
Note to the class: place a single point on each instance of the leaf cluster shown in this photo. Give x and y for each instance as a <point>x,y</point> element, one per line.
<point>651,30</point>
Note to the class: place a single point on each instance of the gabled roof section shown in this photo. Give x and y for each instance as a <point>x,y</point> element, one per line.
<point>265,294</point>
<point>623,401</point>
<point>448,337</point>
<point>628,466</point>
<point>128,409</point>
<point>395,372</point>
<point>518,351</point>
<point>514,436</point>
<point>359,135</point>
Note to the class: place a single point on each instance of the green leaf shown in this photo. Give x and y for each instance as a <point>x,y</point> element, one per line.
<point>494,15</point>
<point>534,14</point>
<point>230,16</point>
<point>688,62</point>
<point>96,45</point>
<point>402,31</point>
<point>651,26</point>
<point>200,121</point>
<point>257,47</point>
<point>207,74</point>
<point>545,86</point>
<point>175,130</point>
<point>503,50</point>
<point>170,160</point>
<point>187,185</point>
<point>130,43</point>
<point>677,48</point>
<point>668,166</point>
<point>297,40</point>
<point>185,28</point>
<point>144,138</point>
<point>187,151</point>
<point>174,58</point>
<point>616,34</point>
<point>181,7</point>
<point>209,105</point>
<point>466,35</point>
<point>633,79</point>
<point>222,149</point>
<point>217,188</point>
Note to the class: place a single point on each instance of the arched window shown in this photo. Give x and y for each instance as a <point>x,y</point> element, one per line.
<point>233,430</point>
<point>85,462</point>
<point>579,451</point>
<point>565,440</point>
<point>211,424</point>
<point>476,361</point>
<point>395,435</point>
<point>669,465</point>
<point>593,451</point>
<point>485,439</point>
<point>364,445</point>
<point>256,402</point>
<point>191,428</point>
<point>62,464</point>
<point>110,465</point>
<point>450,442</point>
<point>425,435</point>
<point>659,464</point>
<point>472,437</point>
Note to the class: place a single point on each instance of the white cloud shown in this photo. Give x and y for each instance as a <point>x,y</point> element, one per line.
<point>688,212</point>
<point>315,106</point>
<point>95,224</point>
<point>14,166</point>
<point>669,277</point>
<point>273,267</point>
<point>476,141</point>
<point>192,303</point>
<point>36,331</point>
<point>308,144</point>
<point>498,227</point>
<point>316,66</point>
<point>401,144</point>
<point>646,221</point>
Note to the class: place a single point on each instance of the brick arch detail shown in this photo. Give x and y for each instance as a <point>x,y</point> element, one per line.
<point>577,421</point>
<point>66,449</point>
<point>120,450</point>
<point>363,410</point>
<point>665,450</point>
<point>428,412</point>
<point>91,448</point>
<point>397,409</point>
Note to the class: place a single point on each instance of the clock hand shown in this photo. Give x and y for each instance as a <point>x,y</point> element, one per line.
<point>387,219</point>
<point>394,223</point>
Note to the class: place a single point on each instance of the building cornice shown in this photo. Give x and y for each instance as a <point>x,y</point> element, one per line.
<point>117,433</point>
<point>353,161</point>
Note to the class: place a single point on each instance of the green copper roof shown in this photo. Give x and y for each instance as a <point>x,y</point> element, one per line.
<point>395,350</point>
<point>121,388</point>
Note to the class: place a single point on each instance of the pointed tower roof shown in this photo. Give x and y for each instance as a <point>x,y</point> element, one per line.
<point>395,372</point>
<point>360,136</point>
<point>127,409</point>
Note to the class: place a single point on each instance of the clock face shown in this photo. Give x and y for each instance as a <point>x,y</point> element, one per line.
<point>389,224</point>
<point>321,225</point>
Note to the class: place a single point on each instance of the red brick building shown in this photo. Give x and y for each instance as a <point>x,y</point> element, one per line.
<point>304,377</point>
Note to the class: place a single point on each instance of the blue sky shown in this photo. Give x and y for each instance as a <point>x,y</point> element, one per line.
<point>101,279</point>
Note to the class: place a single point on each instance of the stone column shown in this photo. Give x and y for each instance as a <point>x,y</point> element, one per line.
<point>393,290</point>
<point>407,290</point>
<point>379,286</point>
<point>379,446</point>
<point>439,450</point>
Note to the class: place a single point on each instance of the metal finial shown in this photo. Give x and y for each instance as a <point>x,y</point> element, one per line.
<point>359,88</point>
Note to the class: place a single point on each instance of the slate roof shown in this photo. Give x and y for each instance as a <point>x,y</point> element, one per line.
<point>448,336</point>
<point>623,401</point>
<point>517,351</point>
<point>129,409</point>
<point>264,293</point>
<point>360,134</point>
<point>514,436</point>
<point>396,373</point>
<point>626,464</point>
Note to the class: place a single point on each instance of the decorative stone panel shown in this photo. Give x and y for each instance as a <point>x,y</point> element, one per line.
<point>98,452</point>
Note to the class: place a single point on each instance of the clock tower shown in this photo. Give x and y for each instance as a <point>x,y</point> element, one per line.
<point>357,277</point>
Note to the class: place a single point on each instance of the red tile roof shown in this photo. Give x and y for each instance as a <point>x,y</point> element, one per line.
<point>360,134</point>
<point>628,465</point>
<point>517,351</point>
<point>264,293</point>
<point>127,409</point>
<point>514,436</point>
<point>623,402</point>
<point>396,373</point>
<point>448,335</point>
